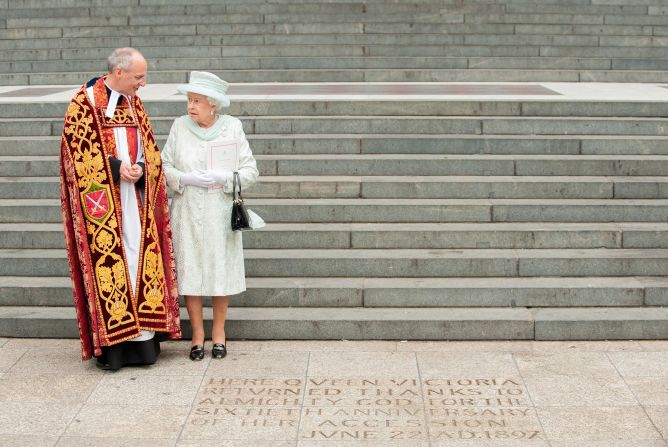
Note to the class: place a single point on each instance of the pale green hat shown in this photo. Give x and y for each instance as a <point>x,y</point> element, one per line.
<point>207,84</point>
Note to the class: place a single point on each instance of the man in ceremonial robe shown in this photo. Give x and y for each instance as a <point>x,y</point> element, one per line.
<point>117,229</point>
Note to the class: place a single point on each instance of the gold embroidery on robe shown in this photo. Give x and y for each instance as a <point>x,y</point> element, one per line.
<point>153,272</point>
<point>98,207</point>
<point>122,117</point>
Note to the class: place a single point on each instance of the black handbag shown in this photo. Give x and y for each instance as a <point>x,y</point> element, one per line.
<point>240,219</point>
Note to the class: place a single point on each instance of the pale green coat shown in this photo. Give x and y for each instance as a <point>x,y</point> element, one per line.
<point>209,255</point>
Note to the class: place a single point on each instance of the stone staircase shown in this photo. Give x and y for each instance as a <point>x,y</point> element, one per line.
<point>64,41</point>
<point>389,219</point>
<point>394,224</point>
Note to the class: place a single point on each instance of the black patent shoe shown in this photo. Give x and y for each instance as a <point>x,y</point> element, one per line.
<point>197,352</point>
<point>104,366</point>
<point>219,351</point>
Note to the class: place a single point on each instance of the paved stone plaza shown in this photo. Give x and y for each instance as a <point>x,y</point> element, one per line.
<point>341,393</point>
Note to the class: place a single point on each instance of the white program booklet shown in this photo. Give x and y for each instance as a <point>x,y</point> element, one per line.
<point>222,156</point>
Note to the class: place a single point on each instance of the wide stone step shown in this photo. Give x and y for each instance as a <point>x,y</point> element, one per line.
<point>393,125</point>
<point>324,39</point>
<point>569,18</point>
<point>388,29</point>
<point>584,30</point>
<point>407,165</point>
<point>391,292</point>
<point>595,9</point>
<point>275,144</point>
<point>402,210</point>
<point>398,262</point>
<point>268,29</point>
<point>253,102</point>
<point>431,13</point>
<point>215,9</point>
<point>163,67</point>
<point>601,323</point>
<point>280,40</point>
<point>526,74</point>
<point>469,45</point>
<point>462,165</point>
<point>528,235</point>
<point>456,187</point>
<point>386,323</point>
<point>20,4</point>
<point>408,187</point>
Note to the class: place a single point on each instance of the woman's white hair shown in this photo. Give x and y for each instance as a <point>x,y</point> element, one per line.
<point>121,58</point>
<point>214,103</point>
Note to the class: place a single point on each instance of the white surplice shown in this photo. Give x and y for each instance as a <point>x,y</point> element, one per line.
<point>130,208</point>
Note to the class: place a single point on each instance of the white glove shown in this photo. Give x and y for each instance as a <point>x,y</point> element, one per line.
<point>219,177</point>
<point>196,178</point>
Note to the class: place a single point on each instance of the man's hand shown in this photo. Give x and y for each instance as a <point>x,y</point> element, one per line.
<point>129,173</point>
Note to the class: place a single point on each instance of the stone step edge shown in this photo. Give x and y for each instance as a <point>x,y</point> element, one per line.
<point>399,118</point>
<point>373,292</point>
<point>397,282</point>
<point>387,323</point>
<point>399,253</point>
<point>403,157</point>
<point>364,136</point>
<point>369,178</point>
<point>462,36</point>
<point>404,227</point>
<point>29,203</point>
<point>584,75</point>
<point>406,157</point>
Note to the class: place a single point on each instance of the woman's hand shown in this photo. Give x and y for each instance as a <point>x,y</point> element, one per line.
<point>196,178</point>
<point>219,177</point>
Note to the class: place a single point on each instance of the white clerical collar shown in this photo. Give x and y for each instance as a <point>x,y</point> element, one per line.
<point>113,101</point>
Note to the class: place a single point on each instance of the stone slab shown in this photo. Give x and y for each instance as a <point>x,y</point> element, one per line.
<point>629,364</point>
<point>583,391</point>
<point>649,391</point>
<point>612,443</point>
<point>47,388</point>
<point>597,423</point>
<point>554,362</point>
<point>125,390</point>
<point>9,358</point>
<point>437,365</point>
<point>27,440</point>
<point>87,441</point>
<point>362,364</point>
<point>36,418</point>
<point>602,324</point>
<point>141,422</point>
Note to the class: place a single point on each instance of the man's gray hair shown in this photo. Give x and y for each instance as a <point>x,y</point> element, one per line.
<point>121,58</point>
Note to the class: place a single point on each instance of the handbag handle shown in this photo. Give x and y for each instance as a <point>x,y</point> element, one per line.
<point>236,183</point>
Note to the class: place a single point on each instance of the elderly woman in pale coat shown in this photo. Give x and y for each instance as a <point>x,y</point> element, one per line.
<point>209,255</point>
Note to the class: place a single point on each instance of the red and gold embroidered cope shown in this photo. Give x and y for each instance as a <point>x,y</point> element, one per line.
<point>108,310</point>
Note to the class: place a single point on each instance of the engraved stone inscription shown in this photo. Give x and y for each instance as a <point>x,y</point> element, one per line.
<point>359,409</point>
<point>486,408</point>
<point>362,409</point>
